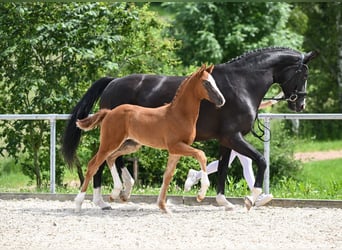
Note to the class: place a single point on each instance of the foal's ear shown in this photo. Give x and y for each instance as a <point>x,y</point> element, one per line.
<point>210,69</point>
<point>203,67</point>
<point>310,55</point>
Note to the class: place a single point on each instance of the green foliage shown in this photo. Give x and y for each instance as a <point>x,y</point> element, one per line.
<point>216,32</point>
<point>324,34</point>
<point>51,52</point>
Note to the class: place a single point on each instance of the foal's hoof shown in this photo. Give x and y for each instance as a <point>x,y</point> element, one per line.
<point>200,198</point>
<point>248,202</point>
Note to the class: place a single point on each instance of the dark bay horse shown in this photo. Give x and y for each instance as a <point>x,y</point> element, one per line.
<point>243,81</point>
<point>171,127</point>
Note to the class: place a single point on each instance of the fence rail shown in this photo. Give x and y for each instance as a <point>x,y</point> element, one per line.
<point>265,116</point>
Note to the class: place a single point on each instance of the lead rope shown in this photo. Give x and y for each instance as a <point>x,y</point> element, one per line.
<point>261,128</point>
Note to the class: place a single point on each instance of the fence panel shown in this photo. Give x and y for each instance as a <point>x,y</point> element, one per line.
<point>265,116</point>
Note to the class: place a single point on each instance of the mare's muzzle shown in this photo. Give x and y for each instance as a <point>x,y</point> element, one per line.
<point>296,101</point>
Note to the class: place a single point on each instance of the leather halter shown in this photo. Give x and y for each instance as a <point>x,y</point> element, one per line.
<point>295,93</point>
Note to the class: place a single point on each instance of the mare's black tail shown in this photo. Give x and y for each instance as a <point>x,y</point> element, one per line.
<point>72,134</point>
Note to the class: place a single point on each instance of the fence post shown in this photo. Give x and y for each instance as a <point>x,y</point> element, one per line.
<point>52,155</point>
<point>267,154</point>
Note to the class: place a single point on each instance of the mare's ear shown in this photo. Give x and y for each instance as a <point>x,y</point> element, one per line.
<point>210,69</point>
<point>310,55</point>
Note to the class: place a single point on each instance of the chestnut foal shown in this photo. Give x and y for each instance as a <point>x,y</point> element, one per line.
<point>171,127</point>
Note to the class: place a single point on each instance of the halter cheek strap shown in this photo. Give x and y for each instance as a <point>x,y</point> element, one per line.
<point>295,94</point>
<point>301,63</point>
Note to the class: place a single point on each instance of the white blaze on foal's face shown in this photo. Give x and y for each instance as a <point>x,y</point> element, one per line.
<point>213,91</point>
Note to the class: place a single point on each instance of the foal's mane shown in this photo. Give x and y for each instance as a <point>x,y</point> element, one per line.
<point>261,50</point>
<point>184,83</point>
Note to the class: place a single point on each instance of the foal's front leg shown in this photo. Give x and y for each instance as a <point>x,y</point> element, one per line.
<point>187,150</point>
<point>168,174</point>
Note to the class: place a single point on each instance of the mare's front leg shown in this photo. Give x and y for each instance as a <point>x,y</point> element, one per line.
<point>240,145</point>
<point>168,174</point>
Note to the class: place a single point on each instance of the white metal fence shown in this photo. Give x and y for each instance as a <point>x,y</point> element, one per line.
<point>265,116</point>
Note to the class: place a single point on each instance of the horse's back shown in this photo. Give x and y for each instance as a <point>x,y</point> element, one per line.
<point>140,89</point>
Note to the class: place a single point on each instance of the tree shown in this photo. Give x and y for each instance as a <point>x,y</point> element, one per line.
<point>217,32</point>
<point>324,33</point>
<point>50,53</point>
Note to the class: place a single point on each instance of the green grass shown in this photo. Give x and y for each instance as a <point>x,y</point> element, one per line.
<point>322,172</point>
<point>317,180</point>
<point>13,182</point>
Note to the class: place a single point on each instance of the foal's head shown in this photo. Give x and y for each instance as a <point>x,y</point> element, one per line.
<point>208,87</point>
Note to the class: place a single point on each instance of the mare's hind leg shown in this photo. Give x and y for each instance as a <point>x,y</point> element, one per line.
<point>168,174</point>
<point>97,195</point>
<point>187,150</point>
<point>222,171</point>
<point>116,178</point>
<point>128,147</point>
<point>92,168</point>
<point>122,190</point>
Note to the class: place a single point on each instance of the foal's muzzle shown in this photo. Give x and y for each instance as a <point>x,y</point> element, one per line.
<point>214,94</point>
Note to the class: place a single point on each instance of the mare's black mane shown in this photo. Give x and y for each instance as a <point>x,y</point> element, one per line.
<point>260,50</point>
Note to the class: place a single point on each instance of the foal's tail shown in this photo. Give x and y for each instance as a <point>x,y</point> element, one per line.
<point>92,121</point>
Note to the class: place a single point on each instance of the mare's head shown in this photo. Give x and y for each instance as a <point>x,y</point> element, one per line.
<point>208,86</point>
<point>293,79</point>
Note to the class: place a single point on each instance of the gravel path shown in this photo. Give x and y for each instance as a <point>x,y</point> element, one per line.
<point>40,224</point>
<point>319,155</point>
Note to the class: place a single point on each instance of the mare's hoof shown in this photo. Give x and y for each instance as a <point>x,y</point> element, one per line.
<point>248,202</point>
<point>124,196</point>
<point>222,201</point>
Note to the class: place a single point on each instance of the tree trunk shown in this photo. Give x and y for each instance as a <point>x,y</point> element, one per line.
<point>37,169</point>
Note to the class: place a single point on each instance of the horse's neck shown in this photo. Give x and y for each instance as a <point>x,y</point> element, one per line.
<point>258,70</point>
<point>187,101</point>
